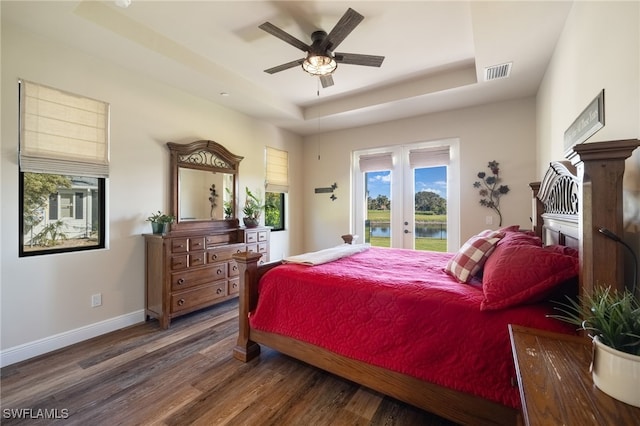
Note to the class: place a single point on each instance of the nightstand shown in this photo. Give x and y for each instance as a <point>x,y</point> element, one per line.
<point>555,384</point>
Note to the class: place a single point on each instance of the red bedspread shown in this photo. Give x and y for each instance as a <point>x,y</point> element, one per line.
<point>399,310</point>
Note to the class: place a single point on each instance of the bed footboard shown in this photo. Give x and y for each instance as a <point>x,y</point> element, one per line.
<point>250,273</point>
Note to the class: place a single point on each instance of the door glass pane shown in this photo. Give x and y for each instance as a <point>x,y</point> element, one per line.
<point>378,216</point>
<point>430,187</point>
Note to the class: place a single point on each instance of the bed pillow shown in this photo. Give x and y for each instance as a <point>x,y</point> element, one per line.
<point>517,274</point>
<point>472,255</point>
<point>520,238</point>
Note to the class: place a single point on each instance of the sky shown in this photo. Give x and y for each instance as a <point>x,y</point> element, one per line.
<point>432,179</point>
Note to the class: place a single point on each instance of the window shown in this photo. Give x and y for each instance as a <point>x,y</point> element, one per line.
<point>63,168</point>
<point>276,185</point>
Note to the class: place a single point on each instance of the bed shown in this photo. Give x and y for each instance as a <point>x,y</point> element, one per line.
<point>411,350</point>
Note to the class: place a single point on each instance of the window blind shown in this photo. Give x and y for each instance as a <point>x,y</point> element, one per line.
<point>429,157</point>
<point>62,133</point>
<point>277,170</point>
<point>376,162</point>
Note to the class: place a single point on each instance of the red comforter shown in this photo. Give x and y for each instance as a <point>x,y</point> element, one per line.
<point>399,310</point>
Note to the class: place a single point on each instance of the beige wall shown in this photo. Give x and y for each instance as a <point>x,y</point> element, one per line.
<point>504,132</point>
<point>46,299</point>
<point>599,49</point>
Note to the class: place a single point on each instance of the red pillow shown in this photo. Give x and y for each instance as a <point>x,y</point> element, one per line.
<point>519,274</point>
<point>520,238</point>
<point>472,255</point>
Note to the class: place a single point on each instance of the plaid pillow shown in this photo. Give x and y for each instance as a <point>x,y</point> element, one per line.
<point>471,257</point>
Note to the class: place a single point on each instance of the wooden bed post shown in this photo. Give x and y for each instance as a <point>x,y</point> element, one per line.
<point>245,349</point>
<point>600,167</point>
<point>537,208</point>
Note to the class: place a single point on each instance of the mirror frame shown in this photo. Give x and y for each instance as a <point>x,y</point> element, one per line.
<point>204,155</point>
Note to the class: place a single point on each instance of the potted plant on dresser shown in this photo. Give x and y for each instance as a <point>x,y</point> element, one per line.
<point>252,209</point>
<point>612,320</point>
<point>160,222</point>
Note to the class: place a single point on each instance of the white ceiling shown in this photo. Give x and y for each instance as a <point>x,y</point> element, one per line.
<point>436,52</point>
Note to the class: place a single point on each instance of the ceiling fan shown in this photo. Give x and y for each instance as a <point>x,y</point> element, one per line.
<point>321,60</point>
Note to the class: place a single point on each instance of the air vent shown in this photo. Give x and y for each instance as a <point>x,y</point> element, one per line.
<point>497,71</point>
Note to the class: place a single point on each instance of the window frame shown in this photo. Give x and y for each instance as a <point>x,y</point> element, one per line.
<point>282,212</point>
<point>101,244</point>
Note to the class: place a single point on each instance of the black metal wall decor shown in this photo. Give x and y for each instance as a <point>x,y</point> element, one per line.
<point>327,190</point>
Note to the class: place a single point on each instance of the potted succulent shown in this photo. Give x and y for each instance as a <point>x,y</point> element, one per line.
<point>160,222</point>
<point>612,320</point>
<point>252,209</point>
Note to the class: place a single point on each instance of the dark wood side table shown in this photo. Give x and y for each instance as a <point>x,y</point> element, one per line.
<point>555,384</point>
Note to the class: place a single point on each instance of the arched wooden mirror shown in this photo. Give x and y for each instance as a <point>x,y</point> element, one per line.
<point>204,183</point>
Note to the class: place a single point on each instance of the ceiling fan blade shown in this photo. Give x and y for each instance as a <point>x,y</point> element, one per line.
<point>342,29</point>
<point>326,80</point>
<point>286,66</point>
<point>357,59</point>
<point>284,36</point>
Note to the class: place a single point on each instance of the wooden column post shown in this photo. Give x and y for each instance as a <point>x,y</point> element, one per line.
<point>600,167</point>
<point>537,208</point>
<point>246,349</point>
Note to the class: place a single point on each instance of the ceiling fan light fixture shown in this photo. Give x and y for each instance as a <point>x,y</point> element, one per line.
<point>319,65</point>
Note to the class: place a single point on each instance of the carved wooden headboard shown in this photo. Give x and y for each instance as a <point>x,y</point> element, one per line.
<point>589,196</point>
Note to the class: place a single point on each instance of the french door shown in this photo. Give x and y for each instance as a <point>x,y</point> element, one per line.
<point>407,196</point>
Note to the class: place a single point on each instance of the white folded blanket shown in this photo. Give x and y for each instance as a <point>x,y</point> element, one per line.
<point>327,255</point>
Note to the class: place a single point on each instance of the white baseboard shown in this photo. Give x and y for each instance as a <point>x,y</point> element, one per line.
<point>51,343</point>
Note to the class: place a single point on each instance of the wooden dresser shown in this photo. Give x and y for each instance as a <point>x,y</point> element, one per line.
<point>190,270</point>
<point>555,384</point>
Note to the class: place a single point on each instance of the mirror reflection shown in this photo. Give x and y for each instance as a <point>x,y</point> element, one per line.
<point>204,195</point>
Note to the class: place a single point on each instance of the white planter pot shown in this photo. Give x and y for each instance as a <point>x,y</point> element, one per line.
<point>617,373</point>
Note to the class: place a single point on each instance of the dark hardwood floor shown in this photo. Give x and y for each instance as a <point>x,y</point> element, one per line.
<point>185,375</point>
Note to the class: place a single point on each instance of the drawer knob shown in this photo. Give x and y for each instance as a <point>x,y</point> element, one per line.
<point>235,267</point>
<point>181,281</point>
<point>214,256</point>
<point>235,285</point>
<point>238,251</point>
<point>180,302</point>
<point>218,291</point>
<point>219,271</point>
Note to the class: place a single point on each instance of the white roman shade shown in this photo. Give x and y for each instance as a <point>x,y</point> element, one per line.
<point>277,170</point>
<point>429,157</point>
<point>376,162</point>
<point>62,133</point>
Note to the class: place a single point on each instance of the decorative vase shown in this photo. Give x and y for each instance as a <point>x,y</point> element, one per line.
<point>616,373</point>
<point>159,228</point>
<point>250,222</point>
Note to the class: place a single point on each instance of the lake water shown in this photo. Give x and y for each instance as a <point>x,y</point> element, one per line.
<point>423,230</point>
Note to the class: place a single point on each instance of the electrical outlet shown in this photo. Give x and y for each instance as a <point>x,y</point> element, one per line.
<point>488,220</point>
<point>96,300</point>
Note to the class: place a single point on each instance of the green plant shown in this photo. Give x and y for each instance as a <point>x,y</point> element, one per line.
<point>489,189</point>
<point>610,315</point>
<point>160,217</point>
<point>253,205</point>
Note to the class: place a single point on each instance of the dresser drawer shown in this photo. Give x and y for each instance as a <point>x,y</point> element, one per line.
<point>197,259</point>
<point>233,268</point>
<point>179,262</point>
<point>179,245</point>
<point>196,244</point>
<point>197,297</point>
<point>263,248</point>
<point>186,279</point>
<point>234,286</point>
<point>251,237</point>
<point>263,236</point>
